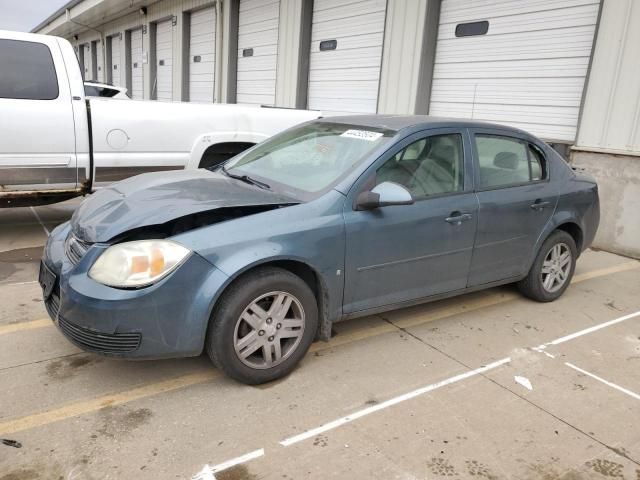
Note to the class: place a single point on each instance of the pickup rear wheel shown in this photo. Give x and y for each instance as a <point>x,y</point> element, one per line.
<point>262,326</point>
<point>552,269</point>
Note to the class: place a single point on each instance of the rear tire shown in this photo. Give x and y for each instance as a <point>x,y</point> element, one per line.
<point>552,270</point>
<point>262,326</point>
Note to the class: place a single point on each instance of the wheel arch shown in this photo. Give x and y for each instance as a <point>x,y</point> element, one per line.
<point>303,270</point>
<point>211,139</point>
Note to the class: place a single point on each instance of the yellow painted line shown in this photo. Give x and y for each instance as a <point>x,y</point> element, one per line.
<point>623,267</point>
<point>80,408</point>
<point>476,302</point>
<point>17,327</point>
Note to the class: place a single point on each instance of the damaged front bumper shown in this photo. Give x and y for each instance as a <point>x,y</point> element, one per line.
<point>167,319</point>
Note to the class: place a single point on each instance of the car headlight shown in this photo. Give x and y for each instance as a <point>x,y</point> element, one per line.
<point>137,264</point>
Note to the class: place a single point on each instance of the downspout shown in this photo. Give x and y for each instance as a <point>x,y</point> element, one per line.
<point>217,97</point>
<point>102,43</point>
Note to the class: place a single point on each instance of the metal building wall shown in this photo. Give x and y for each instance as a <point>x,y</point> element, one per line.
<point>610,120</point>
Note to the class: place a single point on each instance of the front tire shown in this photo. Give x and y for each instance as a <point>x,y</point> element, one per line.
<point>552,270</point>
<point>262,326</point>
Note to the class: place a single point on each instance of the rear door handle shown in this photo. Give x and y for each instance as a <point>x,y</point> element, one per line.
<point>457,218</point>
<point>539,205</point>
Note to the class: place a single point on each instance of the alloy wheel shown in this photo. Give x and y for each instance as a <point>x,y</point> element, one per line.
<point>269,330</point>
<point>556,267</point>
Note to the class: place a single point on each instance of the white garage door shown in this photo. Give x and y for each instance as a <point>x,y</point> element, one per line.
<point>137,89</point>
<point>528,70</point>
<point>115,66</point>
<point>202,55</point>
<point>346,53</point>
<point>88,61</point>
<point>164,61</point>
<point>257,51</point>
<point>100,61</point>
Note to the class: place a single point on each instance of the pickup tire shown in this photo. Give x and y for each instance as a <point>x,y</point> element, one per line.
<point>221,152</point>
<point>552,270</point>
<point>262,326</point>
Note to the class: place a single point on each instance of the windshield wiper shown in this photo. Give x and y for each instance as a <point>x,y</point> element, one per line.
<point>246,179</point>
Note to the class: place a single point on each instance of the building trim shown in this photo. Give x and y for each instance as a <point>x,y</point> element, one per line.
<point>428,57</point>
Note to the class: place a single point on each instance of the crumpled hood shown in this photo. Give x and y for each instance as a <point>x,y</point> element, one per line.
<point>156,198</point>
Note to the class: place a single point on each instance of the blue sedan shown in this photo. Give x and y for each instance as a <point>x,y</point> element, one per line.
<point>341,217</point>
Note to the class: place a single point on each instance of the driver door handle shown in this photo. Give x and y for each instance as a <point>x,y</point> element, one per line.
<point>456,218</point>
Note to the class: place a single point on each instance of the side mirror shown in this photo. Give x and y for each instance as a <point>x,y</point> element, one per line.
<point>384,195</point>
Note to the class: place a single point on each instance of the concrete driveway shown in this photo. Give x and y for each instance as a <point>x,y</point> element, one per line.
<point>488,385</point>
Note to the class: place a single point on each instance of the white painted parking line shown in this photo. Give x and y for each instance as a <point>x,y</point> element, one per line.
<point>9,284</point>
<point>587,331</point>
<point>602,380</point>
<point>208,472</point>
<point>39,220</point>
<point>388,403</point>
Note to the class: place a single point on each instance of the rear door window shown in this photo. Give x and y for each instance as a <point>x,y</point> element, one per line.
<point>27,71</point>
<point>504,161</point>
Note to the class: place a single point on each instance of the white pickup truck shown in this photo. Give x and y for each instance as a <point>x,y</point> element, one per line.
<point>56,144</point>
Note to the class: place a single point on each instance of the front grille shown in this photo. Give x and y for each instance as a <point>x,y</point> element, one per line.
<point>100,342</point>
<point>52,304</point>
<point>75,248</point>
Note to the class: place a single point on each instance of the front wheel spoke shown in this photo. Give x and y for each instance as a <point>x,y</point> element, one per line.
<point>290,333</point>
<point>548,282</point>
<point>546,269</point>
<point>252,318</point>
<point>251,348</point>
<point>565,259</point>
<point>247,340</point>
<point>277,350</point>
<point>280,306</point>
<point>292,323</point>
<point>267,352</point>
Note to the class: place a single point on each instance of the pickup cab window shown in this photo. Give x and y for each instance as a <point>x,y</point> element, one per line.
<point>28,72</point>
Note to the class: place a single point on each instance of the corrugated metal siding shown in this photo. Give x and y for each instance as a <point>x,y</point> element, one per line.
<point>137,81</point>
<point>527,71</point>
<point>164,60</point>
<point>257,32</point>
<point>611,116</point>
<point>202,55</point>
<point>345,80</point>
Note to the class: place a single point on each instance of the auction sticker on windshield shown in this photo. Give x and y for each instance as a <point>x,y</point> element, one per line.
<point>362,135</point>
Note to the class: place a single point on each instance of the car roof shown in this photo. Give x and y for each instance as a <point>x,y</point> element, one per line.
<point>415,122</point>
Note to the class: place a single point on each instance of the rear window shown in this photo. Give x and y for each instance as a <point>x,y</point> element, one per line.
<point>27,71</point>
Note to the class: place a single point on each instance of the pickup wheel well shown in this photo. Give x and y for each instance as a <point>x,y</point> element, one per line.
<point>220,152</point>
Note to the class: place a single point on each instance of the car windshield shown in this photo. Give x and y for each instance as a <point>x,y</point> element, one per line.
<point>308,160</point>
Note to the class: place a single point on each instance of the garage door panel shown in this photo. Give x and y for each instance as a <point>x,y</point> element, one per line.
<point>345,90</point>
<point>529,69</point>
<point>349,59</point>
<point>262,38</point>
<point>100,61</point>
<point>570,42</point>
<point>561,92</point>
<point>343,12</point>
<point>114,65</point>
<point>349,27</point>
<point>137,88</point>
<point>346,79</point>
<point>525,69</point>
<point>164,60</point>
<point>463,10</point>
<point>360,42</point>
<point>256,75</point>
<point>202,47</point>
<point>553,19</point>
<point>258,32</point>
